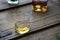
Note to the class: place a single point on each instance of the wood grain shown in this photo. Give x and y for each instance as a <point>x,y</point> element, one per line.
<point>4,5</point>
<point>38,21</point>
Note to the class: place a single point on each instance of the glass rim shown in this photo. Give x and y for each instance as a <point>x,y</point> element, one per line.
<point>19,23</point>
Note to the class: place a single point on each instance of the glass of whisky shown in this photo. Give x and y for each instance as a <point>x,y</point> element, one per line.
<point>39,5</point>
<point>22,22</point>
<point>12,1</point>
<point>22,27</point>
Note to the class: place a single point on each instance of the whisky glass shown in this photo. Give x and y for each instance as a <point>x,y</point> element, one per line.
<point>39,5</point>
<point>22,25</point>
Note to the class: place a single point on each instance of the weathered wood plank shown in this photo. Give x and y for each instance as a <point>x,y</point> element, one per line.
<point>49,34</point>
<point>5,5</point>
<point>38,21</point>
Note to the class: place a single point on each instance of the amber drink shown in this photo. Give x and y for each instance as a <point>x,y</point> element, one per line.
<point>22,27</point>
<point>39,5</point>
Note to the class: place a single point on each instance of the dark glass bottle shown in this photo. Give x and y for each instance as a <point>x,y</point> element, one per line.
<point>58,36</point>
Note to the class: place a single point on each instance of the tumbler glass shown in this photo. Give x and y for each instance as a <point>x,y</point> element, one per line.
<point>39,5</point>
<point>22,25</point>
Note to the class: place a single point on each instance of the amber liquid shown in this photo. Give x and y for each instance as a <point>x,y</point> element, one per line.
<point>22,30</point>
<point>39,6</point>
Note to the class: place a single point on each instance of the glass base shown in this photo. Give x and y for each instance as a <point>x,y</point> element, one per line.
<point>24,32</point>
<point>12,2</point>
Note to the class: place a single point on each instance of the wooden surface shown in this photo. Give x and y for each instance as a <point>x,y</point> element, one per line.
<point>5,5</point>
<point>37,21</point>
<point>49,34</point>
